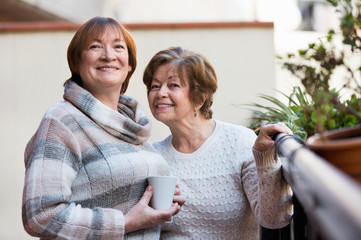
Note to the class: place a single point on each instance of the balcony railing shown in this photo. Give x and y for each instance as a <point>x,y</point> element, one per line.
<point>327,203</point>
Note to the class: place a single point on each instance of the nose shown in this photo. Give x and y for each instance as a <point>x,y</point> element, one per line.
<point>108,54</point>
<point>163,91</point>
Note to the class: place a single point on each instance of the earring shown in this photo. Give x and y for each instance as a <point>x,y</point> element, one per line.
<point>195,114</point>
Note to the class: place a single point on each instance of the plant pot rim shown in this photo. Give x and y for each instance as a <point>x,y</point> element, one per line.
<point>336,139</point>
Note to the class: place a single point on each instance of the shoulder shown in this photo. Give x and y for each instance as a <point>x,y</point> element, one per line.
<point>56,129</point>
<point>66,115</point>
<point>60,109</point>
<point>162,145</point>
<point>58,120</point>
<point>235,131</point>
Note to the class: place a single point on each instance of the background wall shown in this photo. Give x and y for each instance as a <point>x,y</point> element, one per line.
<point>243,59</point>
<point>33,68</point>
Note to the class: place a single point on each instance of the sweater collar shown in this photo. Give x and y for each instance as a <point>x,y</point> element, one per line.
<point>129,123</point>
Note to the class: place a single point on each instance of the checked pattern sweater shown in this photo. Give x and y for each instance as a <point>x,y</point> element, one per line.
<point>86,167</point>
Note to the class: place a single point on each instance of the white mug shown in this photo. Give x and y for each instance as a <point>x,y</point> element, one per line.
<point>164,189</point>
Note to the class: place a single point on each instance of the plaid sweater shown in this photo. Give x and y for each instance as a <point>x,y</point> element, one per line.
<point>86,166</point>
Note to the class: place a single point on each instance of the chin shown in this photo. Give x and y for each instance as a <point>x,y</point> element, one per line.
<point>161,117</point>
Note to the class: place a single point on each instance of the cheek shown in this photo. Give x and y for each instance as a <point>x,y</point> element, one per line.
<point>80,69</point>
<point>124,59</point>
<point>84,62</point>
<point>150,98</point>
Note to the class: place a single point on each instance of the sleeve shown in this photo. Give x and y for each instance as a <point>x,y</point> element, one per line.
<point>269,194</point>
<point>52,159</point>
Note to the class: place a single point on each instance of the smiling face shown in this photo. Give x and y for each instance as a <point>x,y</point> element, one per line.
<point>104,63</point>
<point>168,97</point>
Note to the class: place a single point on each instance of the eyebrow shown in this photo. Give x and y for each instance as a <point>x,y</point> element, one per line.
<point>173,76</point>
<point>99,40</point>
<point>168,78</point>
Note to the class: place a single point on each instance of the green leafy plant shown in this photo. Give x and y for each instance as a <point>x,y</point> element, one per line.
<point>300,114</point>
<point>280,112</point>
<point>318,107</point>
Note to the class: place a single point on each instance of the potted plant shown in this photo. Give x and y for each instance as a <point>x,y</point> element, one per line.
<point>291,114</point>
<point>329,121</point>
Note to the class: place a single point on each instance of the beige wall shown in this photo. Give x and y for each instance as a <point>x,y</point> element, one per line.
<point>33,68</point>
<point>243,59</point>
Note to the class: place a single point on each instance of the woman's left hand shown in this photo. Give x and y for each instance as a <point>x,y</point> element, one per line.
<point>265,137</point>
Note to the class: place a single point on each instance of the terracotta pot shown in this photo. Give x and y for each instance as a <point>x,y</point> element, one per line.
<point>341,147</point>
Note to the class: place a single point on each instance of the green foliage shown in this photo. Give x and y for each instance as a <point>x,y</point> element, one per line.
<point>315,66</point>
<point>318,107</point>
<point>301,115</point>
<point>290,114</point>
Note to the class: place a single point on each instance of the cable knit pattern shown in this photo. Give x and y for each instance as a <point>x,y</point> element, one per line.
<point>87,166</point>
<point>227,195</point>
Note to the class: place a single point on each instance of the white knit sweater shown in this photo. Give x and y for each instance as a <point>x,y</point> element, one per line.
<point>228,190</point>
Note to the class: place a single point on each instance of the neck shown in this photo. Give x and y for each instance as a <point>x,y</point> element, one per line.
<point>187,138</point>
<point>111,102</point>
<point>109,98</point>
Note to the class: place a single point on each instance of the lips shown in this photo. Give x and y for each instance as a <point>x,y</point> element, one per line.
<point>107,68</point>
<point>163,106</point>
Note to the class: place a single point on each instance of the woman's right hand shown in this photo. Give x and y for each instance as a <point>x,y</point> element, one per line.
<point>265,137</point>
<point>143,216</point>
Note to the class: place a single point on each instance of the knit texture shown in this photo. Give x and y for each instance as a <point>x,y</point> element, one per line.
<point>227,194</point>
<point>86,167</point>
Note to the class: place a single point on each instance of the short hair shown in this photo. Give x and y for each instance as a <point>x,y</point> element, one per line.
<point>193,69</point>
<point>94,28</point>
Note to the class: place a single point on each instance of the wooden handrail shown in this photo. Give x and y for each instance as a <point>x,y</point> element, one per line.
<point>330,199</point>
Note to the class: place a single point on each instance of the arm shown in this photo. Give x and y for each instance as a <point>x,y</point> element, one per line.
<point>274,193</point>
<point>53,159</point>
<point>269,195</point>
